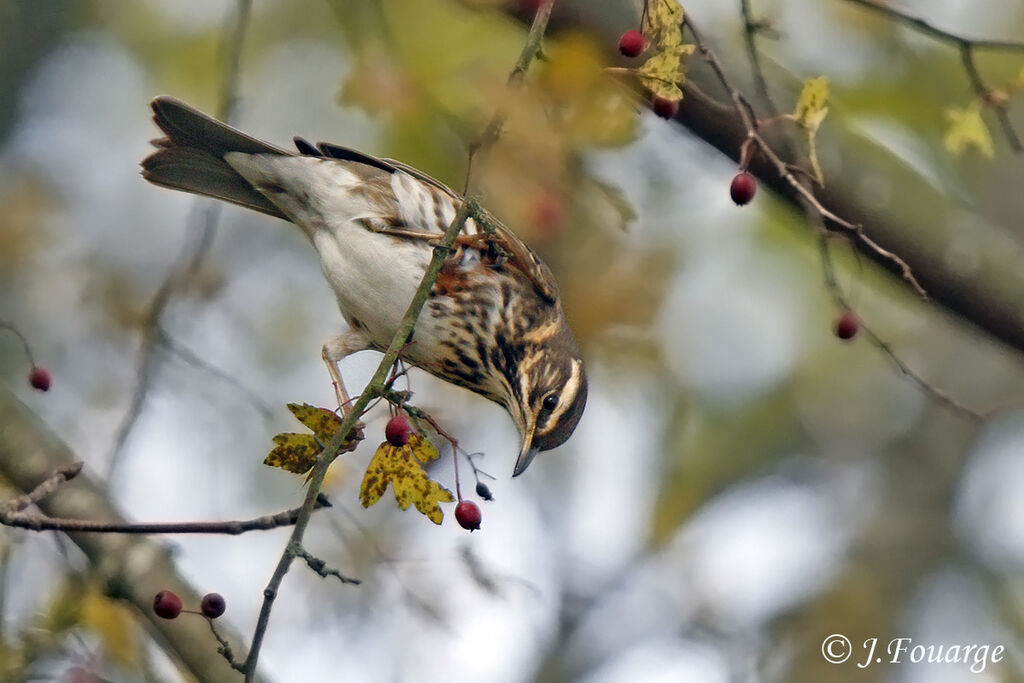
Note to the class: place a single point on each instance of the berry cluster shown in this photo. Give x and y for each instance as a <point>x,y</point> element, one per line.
<point>397,432</point>
<point>632,44</point>
<point>167,605</point>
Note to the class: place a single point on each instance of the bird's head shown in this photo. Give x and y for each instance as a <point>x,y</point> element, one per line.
<point>549,399</point>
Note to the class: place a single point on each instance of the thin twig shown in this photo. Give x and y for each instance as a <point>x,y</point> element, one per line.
<point>224,648</point>
<point>742,106</point>
<point>201,232</point>
<point>832,284</point>
<point>12,516</point>
<point>967,46</point>
<point>7,325</point>
<point>48,486</point>
<point>531,48</point>
<point>818,215</point>
<point>925,26</point>
<point>751,27</point>
<point>192,358</point>
<point>379,382</point>
<point>321,568</point>
<point>330,451</point>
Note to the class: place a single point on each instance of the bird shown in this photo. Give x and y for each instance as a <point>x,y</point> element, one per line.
<point>493,322</point>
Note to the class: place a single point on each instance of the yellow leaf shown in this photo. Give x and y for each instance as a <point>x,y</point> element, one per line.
<point>968,130</point>
<point>1018,82</point>
<point>663,72</point>
<point>114,625</point>
<point>811,106</point>
<point>810,111</point>
<point>400,466</point>
<point>322,422</point>
<point>663,24</point>
<point>295,453</point>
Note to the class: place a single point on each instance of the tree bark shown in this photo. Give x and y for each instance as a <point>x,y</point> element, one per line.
<point>132,568</point>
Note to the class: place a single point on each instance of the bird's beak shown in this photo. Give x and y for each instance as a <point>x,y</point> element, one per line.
<point>526,456</point>
<point>527,453</point>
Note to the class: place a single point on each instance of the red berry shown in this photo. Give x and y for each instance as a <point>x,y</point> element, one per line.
<point>631,44</point>
<point>167,605</point>
<point>212,605</point>
<point>39,377</point>
<point>398,430</point>
<point>743,188</point>
<point>665,108</point>
<point>468,515</point>
<point>847,325</point>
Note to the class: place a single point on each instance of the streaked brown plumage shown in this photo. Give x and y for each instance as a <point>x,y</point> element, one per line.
<point>493,322</point>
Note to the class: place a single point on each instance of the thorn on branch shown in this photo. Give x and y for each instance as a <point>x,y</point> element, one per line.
<point>321,568</point>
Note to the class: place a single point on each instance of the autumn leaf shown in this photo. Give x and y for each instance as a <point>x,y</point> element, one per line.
<point>811,109</point>
<point>663,24</point>
<point>114,625</point>
<point>966,130</point>
<point>400,466</point>
<point>662,73</point>
<point>296,453</point>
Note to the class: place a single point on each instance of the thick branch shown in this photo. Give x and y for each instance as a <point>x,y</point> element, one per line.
<point>920,229</point>
<point>131,568</point>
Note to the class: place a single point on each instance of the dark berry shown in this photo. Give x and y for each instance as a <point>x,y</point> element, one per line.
<point>484,491</point>
<point>665,108</point>
<point>631,44</point>
<point>167,605</point>
<point>39,377</point>
<point>847,325</point>
<point>212,605</point>
<point>743,188</point>
<point>398,430</point>
<point>468,515</point>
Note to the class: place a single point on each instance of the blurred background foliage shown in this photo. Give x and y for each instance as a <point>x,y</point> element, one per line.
<point>743,483</point>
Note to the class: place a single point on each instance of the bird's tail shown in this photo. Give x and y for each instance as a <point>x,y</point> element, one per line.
<point>191,157</point>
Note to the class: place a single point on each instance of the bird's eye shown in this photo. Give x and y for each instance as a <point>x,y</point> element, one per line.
<point>550,401</point>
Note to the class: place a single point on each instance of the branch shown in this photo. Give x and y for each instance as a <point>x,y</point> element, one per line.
<point>967,47</point>
<point>817,215</point>
<point>378,384</point>
<point>321,568</point>
<point>746,115</point>
<point>751,28</point>
<point>130,568</point>
<point>373,390</point>
<point>11,515</point>
<point>531,48</point>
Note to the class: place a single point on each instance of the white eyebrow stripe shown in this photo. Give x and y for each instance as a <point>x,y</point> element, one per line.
<point>568,389</point>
